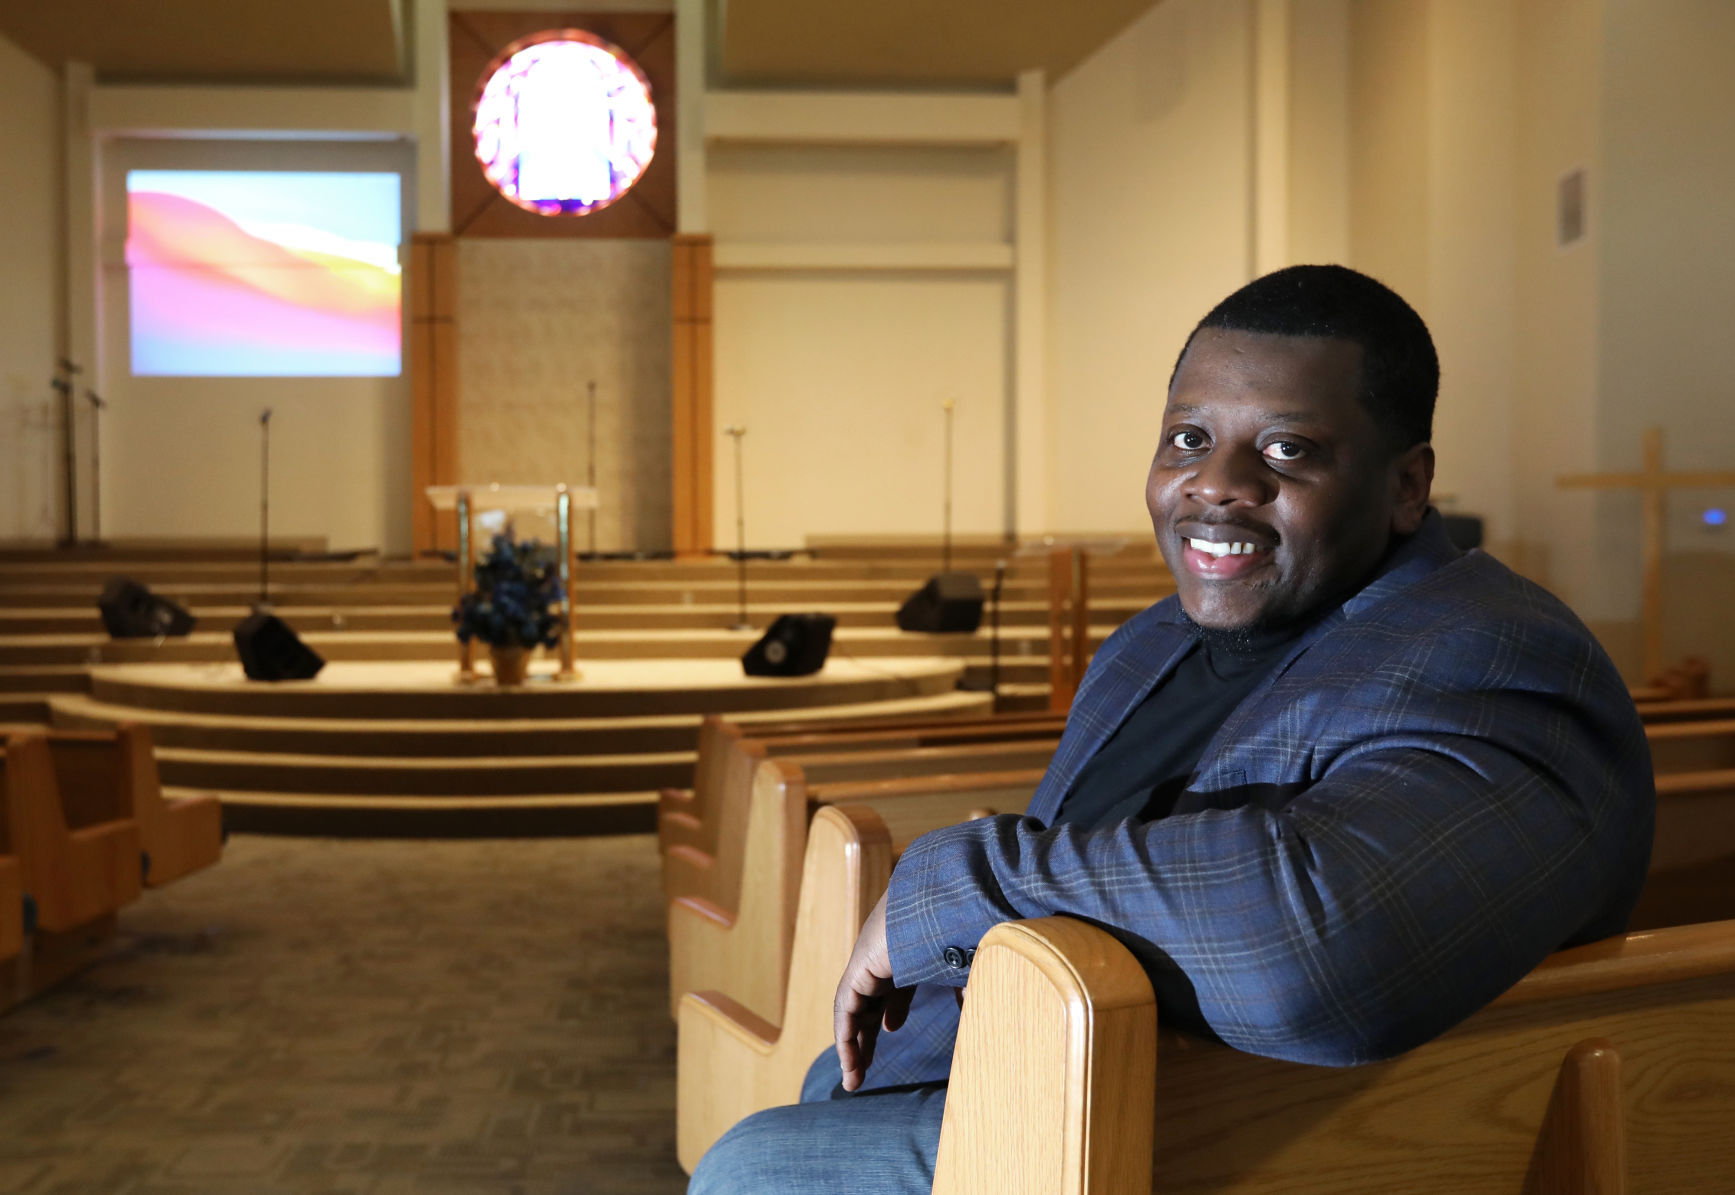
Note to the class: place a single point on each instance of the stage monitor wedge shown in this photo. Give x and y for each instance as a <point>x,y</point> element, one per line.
<point>1465,531</point>
<point>131,611</point>
<point>948,603</point>
<point>270,650</point>
<point>796,645</point>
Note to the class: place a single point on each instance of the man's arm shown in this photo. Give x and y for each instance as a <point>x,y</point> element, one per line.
<point>1415,881</point>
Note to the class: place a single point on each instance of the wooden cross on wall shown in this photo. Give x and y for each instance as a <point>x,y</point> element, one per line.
<point>1654,483</point>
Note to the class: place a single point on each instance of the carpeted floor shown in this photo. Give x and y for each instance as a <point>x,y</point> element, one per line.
<point>344,1016</point>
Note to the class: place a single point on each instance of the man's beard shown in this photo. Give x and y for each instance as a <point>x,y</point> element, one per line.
<point>1239,641</point>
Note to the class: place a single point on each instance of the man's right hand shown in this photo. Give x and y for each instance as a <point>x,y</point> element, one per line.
<point>866,1000</point>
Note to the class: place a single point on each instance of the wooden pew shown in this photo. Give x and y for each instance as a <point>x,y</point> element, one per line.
<point>1654,713</point>
<point>1608,1064</point>
<point>11,878</point>
<point>745,952</point>
<point>731,1063</point>
<point>1692,746</point>
<point>1692,871</point>
<point>79,848</point>
<point>178,835</point>
<point>716,877</point>
<point>687,817</point>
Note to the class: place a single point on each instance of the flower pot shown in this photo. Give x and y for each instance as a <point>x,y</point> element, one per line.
<point>510,664</point>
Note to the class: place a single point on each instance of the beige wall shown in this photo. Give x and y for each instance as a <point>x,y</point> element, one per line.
<point>1666,291</point>
<point>180,456</point>
<point>839,373</point>
<point>1149,223</point>
<point>30,247</point>
<point>1431,214</point>
<point>537,321</point>
<point>1554,418</point>
<point>1318,131</point>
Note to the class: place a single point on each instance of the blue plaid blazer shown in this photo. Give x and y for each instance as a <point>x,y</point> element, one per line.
<point>1444,781</point>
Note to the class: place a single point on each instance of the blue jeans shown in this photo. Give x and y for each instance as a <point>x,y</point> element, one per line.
<point>872,1143</point>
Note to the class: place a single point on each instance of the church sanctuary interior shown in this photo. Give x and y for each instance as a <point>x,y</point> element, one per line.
<point>513,516</point>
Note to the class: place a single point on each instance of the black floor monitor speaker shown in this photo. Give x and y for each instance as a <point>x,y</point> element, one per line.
<point>796,645</point>
<point>1465,531</point>
<point>270,650</point>
<point>948,602</point>
<point>130,611</point>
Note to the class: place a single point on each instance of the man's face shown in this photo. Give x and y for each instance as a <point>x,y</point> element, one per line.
<point>1273,492</point>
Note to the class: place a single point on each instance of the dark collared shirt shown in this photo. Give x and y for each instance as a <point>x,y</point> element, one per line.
<point>1147,763</point>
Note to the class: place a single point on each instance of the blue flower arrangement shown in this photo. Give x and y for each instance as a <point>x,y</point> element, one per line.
<point>516,602</point>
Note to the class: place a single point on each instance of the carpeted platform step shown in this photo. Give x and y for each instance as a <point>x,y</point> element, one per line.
<point>360,815</point>
<point>608,689</point>
<point>474,737</point>
<point>31,679</point>
<point>875,643</point>
<point>25,707</point>
<point>71,620</point>
<point>777,594</point>
<point>412,776</point>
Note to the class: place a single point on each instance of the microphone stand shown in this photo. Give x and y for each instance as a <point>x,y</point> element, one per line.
<point>69,434</point>
<point>946,540</point>
<point>591,472</point>
<point>993,686</point>
<point>264,511</point>
<point>741,623</point>
<point>994,636</point>
<point>97,407</point>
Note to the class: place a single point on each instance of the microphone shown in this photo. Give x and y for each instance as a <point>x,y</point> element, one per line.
<point>96,400</point>
<point>68,367</point>
<point>265,417</point>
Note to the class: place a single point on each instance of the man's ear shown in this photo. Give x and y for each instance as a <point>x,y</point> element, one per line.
<point>1413,478</point>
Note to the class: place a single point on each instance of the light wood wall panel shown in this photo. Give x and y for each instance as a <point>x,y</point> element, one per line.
<point>432,285</point>
<point>693,439</point>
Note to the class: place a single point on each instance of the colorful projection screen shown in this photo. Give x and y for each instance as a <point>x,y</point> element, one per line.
<point>254,273</point>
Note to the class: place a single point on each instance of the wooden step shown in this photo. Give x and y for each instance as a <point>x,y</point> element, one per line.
<point>216,647</point>
<point>455,737</point>
<point>43,678</point>
<point>68,620</point>
<point>31,708</point>
<point>610,689</point>
<point>341,815</point>
<point>395,776</point>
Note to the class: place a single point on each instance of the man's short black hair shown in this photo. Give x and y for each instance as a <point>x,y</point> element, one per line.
<point>1400,370</point>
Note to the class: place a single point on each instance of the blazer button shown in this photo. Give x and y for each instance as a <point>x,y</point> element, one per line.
<point>954,957</point>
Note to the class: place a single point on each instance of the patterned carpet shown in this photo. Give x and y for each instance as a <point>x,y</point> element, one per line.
<point>342,1016</point>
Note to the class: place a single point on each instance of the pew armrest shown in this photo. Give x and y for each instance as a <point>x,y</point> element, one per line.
<point>1066,1013</point>
<point>11,907</point>
<point>732,1062</point>
<point>729,1065</point>
<point>101,875</point>
<point>679,828</point>
<point>704,955</point>
<point>687,872</point>
<point>183,835</point>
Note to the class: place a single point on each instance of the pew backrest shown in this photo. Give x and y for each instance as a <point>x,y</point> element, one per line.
<point>1697,745</point>
<point>1609,1063</point>
<point>90,772</point>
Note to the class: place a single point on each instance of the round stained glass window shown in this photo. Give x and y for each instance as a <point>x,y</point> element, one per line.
<point>564,123</point>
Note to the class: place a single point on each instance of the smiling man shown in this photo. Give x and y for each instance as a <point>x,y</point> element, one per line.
<point>1338,793</point>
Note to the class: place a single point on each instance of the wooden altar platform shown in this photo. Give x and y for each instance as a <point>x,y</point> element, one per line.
<point>385,747</point>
